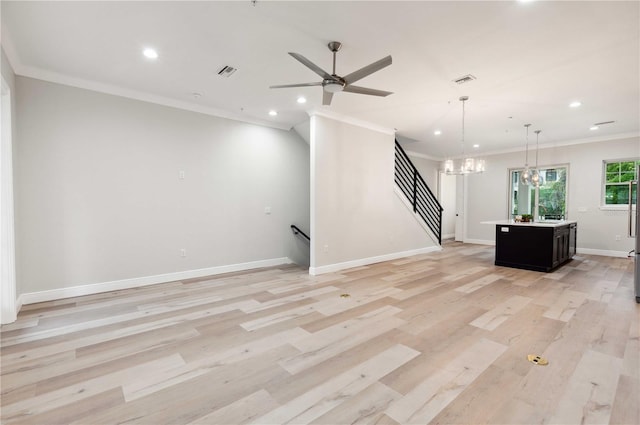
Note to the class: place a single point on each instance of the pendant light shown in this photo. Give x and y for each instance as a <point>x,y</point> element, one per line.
<point>525,176</point>
<point>536,178</point>
<point>466,165</point>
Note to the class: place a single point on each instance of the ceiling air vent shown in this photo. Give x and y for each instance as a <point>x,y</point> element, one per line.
<point>604,123</point>
<point>464,79</point>
<point>226,71</point>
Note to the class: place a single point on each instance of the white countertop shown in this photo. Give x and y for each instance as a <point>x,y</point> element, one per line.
<point>547,223</point>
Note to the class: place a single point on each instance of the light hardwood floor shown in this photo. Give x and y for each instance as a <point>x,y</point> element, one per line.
<point>435,338</point>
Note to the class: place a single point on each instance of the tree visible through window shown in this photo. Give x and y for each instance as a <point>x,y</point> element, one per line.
<point>551,197</point>
<point>617,175</point>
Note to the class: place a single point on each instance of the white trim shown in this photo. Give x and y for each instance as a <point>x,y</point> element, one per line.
<point>603,252</point>
<point>550,145</point>
<point>8,311</point>
<point>54,77</point>
<point>116,285</point>
<point>371,260</point>
<point>448,236</point>
<point>19,302</point>
<point>480,241</point>
<point>350,120</point>
<point>312,191</point>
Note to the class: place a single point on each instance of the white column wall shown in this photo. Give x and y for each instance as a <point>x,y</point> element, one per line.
<point>356,216</point>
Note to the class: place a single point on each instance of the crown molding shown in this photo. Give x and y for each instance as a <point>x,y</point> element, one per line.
<point>549,145</point>
<point>53,77</point>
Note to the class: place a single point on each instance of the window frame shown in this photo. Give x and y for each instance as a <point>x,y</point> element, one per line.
<point>537,189</point>
<point>603,183</point>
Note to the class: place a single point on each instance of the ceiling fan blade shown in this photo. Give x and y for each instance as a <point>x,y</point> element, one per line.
<point>284,86</point>
<point>326,97</point>
<point>364,90</point>
<point>367,70</point>
<point>312,66</point>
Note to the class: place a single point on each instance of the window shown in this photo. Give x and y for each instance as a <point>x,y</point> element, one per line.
<point>617,175</point>
<point>550,198</point>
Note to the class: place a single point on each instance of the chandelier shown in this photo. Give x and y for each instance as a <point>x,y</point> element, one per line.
<point>525,177</point>
<point>536,178</point>
<point>464,165</point>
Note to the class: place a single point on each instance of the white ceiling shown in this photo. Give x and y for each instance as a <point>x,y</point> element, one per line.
<point>531,59</point>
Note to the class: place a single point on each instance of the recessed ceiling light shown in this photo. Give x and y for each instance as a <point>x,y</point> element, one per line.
<point>302,100</point>
<point>149,53</point>
<point>437,132</point>
<point>476,146</point>
<point>595,127</point>
<point>575,104</point>
<point>273,113</point>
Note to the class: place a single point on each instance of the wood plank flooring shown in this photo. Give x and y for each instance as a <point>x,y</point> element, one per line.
<point>435,338</point>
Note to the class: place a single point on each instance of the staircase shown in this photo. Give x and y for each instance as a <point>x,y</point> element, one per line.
<point>424,203</point>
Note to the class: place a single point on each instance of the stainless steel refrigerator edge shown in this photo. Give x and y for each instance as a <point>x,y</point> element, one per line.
<point>636,273</point>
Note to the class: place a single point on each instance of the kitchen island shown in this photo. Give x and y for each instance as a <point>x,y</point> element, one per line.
<point>540,246</point>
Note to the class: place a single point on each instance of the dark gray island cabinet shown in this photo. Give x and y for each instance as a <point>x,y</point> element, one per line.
<point>539,246</point>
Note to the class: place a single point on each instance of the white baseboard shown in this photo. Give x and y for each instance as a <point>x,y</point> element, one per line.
<point>603,252</point>
<point>480,241</point>
<point>589,251</point>
<point>448,236</point>
<point>116,285</point>
<point>19,302</point>
<point>371,260</point>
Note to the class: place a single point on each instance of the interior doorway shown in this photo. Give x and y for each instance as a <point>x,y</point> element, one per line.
<point>447,198</point>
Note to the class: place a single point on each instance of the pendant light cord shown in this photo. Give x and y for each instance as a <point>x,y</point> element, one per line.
<point>537,134</point>
<point>463,100</point>
<point>526,154</point>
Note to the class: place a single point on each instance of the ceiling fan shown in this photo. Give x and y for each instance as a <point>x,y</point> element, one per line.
<point>333,83</point>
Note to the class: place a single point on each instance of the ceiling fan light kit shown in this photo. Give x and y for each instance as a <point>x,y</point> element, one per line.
<point>464,165</point>
<point>333,83</point>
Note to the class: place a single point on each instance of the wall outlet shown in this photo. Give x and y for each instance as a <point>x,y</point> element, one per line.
<point>181,175</point>
<point>267,210</point>
<point>325,248</point>
<point>618,237</point>
<point>183,252</point>
<point>582,209</point>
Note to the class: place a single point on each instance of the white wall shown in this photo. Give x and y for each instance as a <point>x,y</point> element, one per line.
<point>356,215</point>
<point>100,197</point>
<point>428,169</point>
<point>443,186</point>
<point>597,228</point>
<point>8,289</point>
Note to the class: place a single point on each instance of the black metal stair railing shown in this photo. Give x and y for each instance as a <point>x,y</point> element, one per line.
<point>424,202</point>
<point>296,231</point>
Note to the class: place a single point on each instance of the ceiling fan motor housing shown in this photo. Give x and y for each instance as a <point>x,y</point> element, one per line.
<point>333,86</point>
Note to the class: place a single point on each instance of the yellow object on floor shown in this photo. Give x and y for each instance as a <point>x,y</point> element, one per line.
<point>537,360</point>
